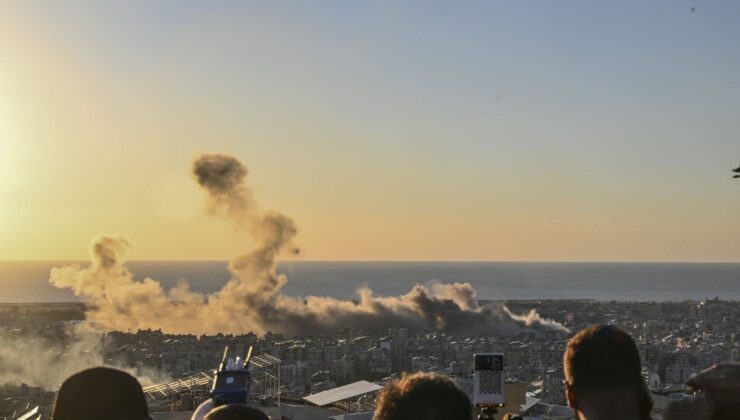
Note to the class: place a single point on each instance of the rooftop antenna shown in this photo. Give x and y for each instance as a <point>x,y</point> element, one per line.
<point>247,358</point>
<point>224,359</point>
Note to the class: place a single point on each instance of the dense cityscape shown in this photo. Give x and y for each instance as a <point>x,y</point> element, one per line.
<point>675,340</point>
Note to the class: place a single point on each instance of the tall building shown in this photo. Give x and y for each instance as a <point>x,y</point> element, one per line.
<point>398,337</point>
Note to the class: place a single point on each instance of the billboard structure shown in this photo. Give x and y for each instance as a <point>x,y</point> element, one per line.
<point>488,379</point>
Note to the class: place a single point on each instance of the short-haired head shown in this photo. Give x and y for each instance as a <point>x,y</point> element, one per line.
<point>235,412</point>
<point>422,396</point>
<point>100,392</point>
<point>602,363</point>
<point>602,358</point>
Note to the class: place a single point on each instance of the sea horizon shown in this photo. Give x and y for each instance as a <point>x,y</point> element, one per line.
<point>26,281</point>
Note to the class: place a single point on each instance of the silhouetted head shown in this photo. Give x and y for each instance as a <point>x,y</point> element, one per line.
<point>100,392</point>
<point>235,412</point>
<point>603,374</point>
<point>423,396</point>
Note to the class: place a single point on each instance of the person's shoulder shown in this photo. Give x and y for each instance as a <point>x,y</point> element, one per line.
<point>202,410</point>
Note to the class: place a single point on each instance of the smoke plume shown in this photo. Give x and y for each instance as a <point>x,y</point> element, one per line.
<point>39,361</point>
<point>47,360</point>
<point>253,300</point>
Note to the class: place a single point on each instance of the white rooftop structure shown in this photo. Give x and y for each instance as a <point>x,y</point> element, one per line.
<point>341,393</point>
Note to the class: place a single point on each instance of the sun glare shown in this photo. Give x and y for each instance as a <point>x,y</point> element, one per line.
<point>8,145</point>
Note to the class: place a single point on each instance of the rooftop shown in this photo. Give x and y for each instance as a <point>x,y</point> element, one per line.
<point>341,393</point>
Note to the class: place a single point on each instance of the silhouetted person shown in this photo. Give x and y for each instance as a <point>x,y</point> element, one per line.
<point>603,378</point>
<point>100,393</point>
<point>236,412</point>
<point>423,396</point>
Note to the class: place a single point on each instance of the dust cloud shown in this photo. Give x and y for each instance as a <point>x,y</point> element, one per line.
<point>252,300</point>
<point>46,361</point>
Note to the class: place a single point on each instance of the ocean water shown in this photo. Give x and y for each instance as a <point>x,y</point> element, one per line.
<point>27,281</point>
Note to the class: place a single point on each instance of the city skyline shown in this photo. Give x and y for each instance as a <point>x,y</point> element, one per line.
<point>483,132</point>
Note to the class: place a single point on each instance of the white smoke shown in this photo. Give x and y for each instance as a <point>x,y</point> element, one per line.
<point>46,362</point>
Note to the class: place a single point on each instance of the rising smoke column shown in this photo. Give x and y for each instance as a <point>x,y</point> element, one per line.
<point>253,300</point>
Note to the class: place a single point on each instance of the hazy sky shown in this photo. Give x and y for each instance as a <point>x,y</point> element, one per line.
<point>509,130</point>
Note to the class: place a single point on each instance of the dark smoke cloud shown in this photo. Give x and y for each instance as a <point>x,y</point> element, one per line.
<point>219,174</point>
<point>222,177</point>
<point>253,300</point>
